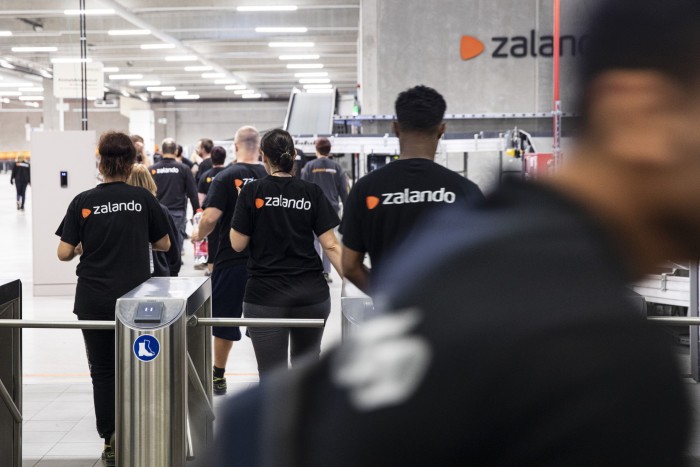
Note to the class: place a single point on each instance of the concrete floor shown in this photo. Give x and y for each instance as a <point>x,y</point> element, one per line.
<point>59,420</point>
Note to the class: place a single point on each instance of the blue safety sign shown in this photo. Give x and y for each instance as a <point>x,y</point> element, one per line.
<point>146,348</point>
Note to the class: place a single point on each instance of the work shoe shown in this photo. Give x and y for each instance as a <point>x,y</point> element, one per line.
<point>219,386</point>
<point>108,455</point>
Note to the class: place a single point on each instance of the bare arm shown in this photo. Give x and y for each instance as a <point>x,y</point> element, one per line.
<point>332,247</point>
<point>239,242</point>
<point>201,197</point>
<point>67,252</point>
<point>162,245</point>
<point>354,269</point>
<point>207,224</point>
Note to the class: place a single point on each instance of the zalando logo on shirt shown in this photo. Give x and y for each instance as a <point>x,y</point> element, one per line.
<point>165,170</point>
<point>412,197</point>
<point>282,202</point>
<point>239,183</point>
<point>132,206</point>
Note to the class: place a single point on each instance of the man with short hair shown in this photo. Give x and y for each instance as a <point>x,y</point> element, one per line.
<point>218,157</point>
<point>175,185</point>
<point>386,204</point>
<point>230,273</point>
<point>513,340</point>
<point>329,175</point>
<point>203,150</point>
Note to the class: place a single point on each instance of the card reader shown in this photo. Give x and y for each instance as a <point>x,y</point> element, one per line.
<point>149,313</point>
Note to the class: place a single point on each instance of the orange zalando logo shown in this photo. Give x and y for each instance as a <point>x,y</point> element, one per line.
<point>86,213</point>
<point>470,47</point>
<point>259,203</point>
<point>153,171</point>
<point>372,202</point>
<point>238,182</point>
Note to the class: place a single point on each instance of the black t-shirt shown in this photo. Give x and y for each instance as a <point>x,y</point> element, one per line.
<point>207,178</point>
<point>385,205</point>
<point>175,184</point>
<point>115,223</point>
<point>187,162</point>
<point>512,343</point>
<point>204,167</point>
<point>223,195</point>
<point>20,173</point>
<point>328,174</point>
<point>281,216</point>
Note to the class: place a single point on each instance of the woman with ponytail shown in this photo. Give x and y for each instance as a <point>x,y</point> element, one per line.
<point>277,218</point>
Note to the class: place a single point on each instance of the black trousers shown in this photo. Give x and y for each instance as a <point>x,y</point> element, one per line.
<point>99,345</point>
<point>21,191</point>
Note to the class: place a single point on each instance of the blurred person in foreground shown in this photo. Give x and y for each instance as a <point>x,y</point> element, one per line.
<point>514,342</point>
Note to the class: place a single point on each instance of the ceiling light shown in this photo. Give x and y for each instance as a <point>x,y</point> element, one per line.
<point>32,104</point>
<point>31,98</point>
<point>267,8</point>
<point>213,75</point>
<point>110,69</point>
<point>34,49</point>
<point>174,93</point>
<point>244,91</point>
<point>160,88</point>
<point>157,46</point>
<point>16,84</point>
<point>128,32</point>
<point>145,83</point>
<point>314,81</point>
<point>317,74</point>
<point>235,87</point>
<point>320,91</point>
<point>318,86</point>
<point>180,58</point>
<point>71,60</point>
<point>5,33</point>
<point>10,93</point>
<point>45,74</point>
<point>198,68</point>
<point>186,97</point>
<point>6,64</point>
<point>291,44</point>
<point>125,94</point>
<point>38,89</point>
<point>225,81</point>
<point>143,98</point>
<point>251,96</point>
<point>282,30</point>
<point>300,57</point>
<point>304,66</point>
<point>93,12</point>
<point>5,100</point>
<point>132,76</point>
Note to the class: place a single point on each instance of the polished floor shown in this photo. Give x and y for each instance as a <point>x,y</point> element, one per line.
<point>59,421</point>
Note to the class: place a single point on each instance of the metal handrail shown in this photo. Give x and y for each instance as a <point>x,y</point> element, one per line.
<point>675,320</point>
<point>193,321</point>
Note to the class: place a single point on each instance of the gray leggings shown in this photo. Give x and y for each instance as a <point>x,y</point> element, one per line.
<point>270,344</point>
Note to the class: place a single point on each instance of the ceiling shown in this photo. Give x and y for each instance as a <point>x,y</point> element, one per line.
<point>213,33</point>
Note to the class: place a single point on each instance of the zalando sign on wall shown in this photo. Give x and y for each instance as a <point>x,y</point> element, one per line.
<point>531,45</point>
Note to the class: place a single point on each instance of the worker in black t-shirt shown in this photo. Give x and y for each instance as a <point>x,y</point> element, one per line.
<point>218,157</point>
<point>278,217</point>
<point>110,227</point>
<point>175,185</point>
<point>181,157</point>
<point>230,274</point>
<point>21,177</point>
<point>388,203</point>
<point>203,162</point>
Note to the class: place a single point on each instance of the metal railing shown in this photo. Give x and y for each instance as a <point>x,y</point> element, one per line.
<point>192,322</point>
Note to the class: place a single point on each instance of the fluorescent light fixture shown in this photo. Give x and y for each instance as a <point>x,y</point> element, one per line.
<point>16,84</point>
<point>180,58</point>
<point>34,49</point>
<point>314,81</point>
<point>125,94</point>
<point>5,100</point>
<point>10,93</point>
<point>282,30</point>
<point>128,32</point>
<point>198,68</point>
<point>213,75</point>
<point>71,60</point>
<point>160,88</point>
<point>320,91</point>
<point>5,33</point>
<point>38,89</point>
<point>163,45</point>
<point>304,66</point>
<point>32,104</point>
<point>267,8</point>
<point>235,87</point>
<point>110,69</point>
<point>143,98</point>
<point>244,91</point>
<point>251,96</point>
<point>45,74</point>
<point>225,81</point>
<point>291,44</point>
<point>6,64</point>
<point>317,74</point>
<point>31,98</point>
<point>145,83</point>
<point>300,57</point>
<point>318,86</point>
<point>93,12</point>
<point>187,97</point>
<point>131,76</point>
<point>174,93</point>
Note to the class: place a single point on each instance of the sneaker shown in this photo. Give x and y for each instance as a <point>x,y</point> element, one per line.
<point>328,278</point>
<point>108,455</point>
<point>219,386</point>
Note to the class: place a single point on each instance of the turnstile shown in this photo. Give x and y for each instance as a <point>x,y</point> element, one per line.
<point>164,377</point>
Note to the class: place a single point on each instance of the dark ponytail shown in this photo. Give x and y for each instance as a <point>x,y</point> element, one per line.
<point>278,146</point>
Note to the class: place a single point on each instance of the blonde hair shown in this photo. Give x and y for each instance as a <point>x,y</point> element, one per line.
<point>21,158</point>
<point>141,177</point>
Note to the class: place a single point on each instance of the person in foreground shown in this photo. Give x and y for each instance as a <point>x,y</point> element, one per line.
<point>110,227</point>
<point>515,343</point>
